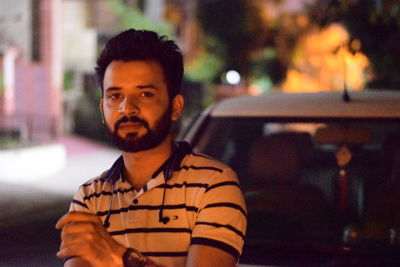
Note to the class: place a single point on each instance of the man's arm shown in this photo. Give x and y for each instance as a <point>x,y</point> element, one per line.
<point>84,236</point>
<point>87,243</point>
<point>218,235</point>
<point>202,255</point>
<point>77,262</point>
<point>199,255</point>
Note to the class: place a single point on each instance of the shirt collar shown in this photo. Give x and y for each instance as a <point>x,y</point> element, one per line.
<point>116,170</point>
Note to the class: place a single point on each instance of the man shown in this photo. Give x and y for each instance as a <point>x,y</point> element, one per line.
<point>160,204</point>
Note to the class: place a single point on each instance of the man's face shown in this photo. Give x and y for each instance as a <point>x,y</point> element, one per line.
<point>136,107</point>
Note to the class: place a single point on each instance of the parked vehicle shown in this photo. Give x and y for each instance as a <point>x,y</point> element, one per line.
<point>320,173</point>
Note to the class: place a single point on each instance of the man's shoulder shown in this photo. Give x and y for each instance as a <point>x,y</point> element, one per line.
<point>207,168</point>
<point>204,160</point>
<point>94,184</point>
<point>108,176</point>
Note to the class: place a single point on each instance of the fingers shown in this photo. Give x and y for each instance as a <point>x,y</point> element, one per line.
<point>79,231</point>
<point>83,235</point>
<point>96,249</point>
<point>75,216</point>
<point>81,244</point>
<point>80,227</point>
<point>76,237</point>
<point>76,250</point>
<point>80,249</point>
<point>77,228</point>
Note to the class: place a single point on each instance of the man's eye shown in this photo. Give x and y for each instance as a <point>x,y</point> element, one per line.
<point>147,94</point>
<point>115,96</point>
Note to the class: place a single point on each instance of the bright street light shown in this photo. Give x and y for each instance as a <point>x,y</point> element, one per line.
<point>232,77</point>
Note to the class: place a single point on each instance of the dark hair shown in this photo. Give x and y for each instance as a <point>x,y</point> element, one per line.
<point>131,45</point>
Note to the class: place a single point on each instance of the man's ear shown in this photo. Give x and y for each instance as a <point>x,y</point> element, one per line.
<point>177,107</point>
<point>101,110</point>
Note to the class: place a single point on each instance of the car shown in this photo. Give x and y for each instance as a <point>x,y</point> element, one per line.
<point>320,174</point>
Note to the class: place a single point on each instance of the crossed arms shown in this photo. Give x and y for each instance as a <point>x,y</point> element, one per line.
<point>85,238</point>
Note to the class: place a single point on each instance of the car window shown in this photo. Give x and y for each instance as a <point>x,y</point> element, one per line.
<point>311,181</point>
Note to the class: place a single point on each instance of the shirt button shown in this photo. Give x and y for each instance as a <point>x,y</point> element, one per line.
<point>135,201</point>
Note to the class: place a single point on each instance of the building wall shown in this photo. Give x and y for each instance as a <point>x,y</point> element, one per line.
<point>15,21</point>
<point>37,110</point>
<point>79,36</point>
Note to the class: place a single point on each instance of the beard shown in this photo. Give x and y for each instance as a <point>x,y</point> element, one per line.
<point>134,143</point>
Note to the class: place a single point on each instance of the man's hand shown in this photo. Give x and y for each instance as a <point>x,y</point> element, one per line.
<point>83,235</point>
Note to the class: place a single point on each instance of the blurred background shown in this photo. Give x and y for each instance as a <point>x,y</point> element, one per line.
<point>51,137</point>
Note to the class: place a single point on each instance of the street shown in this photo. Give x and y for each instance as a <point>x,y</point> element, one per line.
<point>30,210</point>
<point>35,242</point>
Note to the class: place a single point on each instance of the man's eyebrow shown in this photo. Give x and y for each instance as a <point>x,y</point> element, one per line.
<point>147,86</point>
<point>113,88</point>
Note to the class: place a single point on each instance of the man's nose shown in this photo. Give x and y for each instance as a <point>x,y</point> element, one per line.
<point>129,106</point>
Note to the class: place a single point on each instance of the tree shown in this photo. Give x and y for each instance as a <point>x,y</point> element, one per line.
<point>376,23</point>
<point>132,17</point>
<point>233,29</point>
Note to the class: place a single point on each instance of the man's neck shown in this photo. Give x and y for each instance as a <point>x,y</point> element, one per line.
<point>140,166</point>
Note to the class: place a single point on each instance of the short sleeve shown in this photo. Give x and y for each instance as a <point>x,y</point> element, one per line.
<point>222,217</point>
<point>80,202</point>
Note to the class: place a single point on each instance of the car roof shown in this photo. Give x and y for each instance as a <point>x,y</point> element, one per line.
<point>363,104</point>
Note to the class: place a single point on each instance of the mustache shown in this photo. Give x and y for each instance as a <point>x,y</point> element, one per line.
<point>130,119</point>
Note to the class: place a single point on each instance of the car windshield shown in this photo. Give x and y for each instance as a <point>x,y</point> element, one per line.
<point>312,181</point>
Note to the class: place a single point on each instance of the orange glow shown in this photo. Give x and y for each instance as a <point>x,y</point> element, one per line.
<point>323,62</point>
<point>254,90</point>
<point>302,21</point>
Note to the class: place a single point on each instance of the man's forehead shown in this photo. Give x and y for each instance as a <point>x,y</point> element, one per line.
<point>141,72</point>
<point>140,87</point>
<point>117,64</point>
<point>134,76</point>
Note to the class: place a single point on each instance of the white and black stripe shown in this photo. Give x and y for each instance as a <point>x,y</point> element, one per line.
<point>203,201</point>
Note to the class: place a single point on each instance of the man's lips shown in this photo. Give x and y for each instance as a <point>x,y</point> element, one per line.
<point>130,126</point>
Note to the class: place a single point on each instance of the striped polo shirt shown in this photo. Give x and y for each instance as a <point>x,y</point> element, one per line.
<point>202,200</point>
